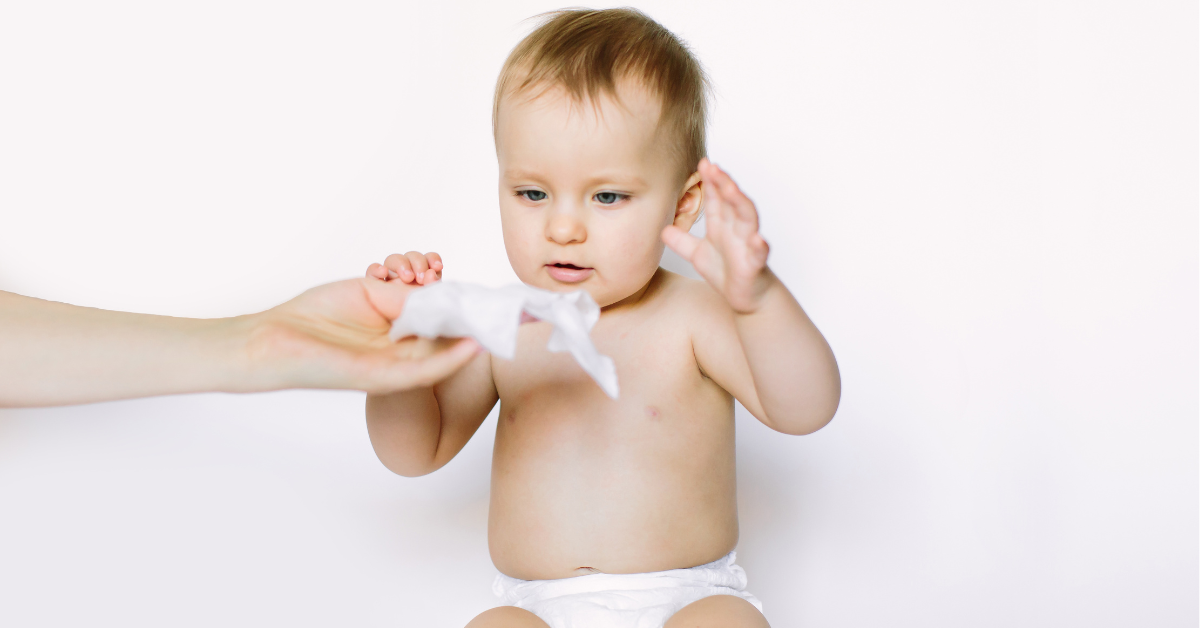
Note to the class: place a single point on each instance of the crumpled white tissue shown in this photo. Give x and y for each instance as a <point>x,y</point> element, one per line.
<point>492,316</point>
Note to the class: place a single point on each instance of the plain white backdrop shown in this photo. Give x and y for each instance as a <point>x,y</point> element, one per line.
<point>990,209</point>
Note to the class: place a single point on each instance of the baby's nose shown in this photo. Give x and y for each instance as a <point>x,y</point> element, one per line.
<point>566,226</point>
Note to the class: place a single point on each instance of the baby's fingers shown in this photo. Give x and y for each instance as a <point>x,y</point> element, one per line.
<point>725,187</point>
<point>703,257</point>
<point>422,266</point>
<point>435,267</point>
<point>680,241</point>
<point>413,267</point>
<point>401,266</point>
<point>377,271</point>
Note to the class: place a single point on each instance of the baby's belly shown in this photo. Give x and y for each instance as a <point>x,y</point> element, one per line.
<point>584,491</point>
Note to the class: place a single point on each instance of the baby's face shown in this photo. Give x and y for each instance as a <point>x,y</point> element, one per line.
<point>585,191</point>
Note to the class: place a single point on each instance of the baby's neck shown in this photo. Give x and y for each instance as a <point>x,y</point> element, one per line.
<point>638,296</point>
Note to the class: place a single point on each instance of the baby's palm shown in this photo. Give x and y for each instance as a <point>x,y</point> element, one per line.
<point>732,256</point>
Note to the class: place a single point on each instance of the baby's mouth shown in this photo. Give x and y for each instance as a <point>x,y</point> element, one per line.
<point>567,272</point>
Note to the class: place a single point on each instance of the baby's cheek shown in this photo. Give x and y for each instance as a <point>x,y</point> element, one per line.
<point>517,245</point>
<point>638,259</point>
<point>641,250</point>
<point>521,262</point>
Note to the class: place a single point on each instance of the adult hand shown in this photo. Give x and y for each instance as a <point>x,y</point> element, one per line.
<point>336,336</point>
<point>332,336</point>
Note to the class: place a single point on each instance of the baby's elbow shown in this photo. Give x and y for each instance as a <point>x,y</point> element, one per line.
<point>408,463</point>
<point>798,427</point>
<point>803,423</point>
<point>409,468</point>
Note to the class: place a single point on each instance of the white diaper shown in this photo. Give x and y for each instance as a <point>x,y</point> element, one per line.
<point>640,600</point>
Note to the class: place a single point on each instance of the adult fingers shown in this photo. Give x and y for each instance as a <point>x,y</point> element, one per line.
<point>429,370</point>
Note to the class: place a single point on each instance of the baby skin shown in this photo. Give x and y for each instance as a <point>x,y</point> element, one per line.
<point>581,483</point>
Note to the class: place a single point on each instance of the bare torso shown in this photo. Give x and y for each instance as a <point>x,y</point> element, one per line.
<point>582,483</point>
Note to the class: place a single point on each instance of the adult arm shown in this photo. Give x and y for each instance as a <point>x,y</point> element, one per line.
<point>332,336</point>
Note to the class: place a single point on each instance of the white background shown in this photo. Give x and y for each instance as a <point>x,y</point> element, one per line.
<point>990,209</point>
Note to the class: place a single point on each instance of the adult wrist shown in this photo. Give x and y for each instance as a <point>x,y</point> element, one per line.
<point>243,357</point>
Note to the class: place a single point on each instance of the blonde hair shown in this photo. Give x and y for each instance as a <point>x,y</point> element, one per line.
<point>588,52</point>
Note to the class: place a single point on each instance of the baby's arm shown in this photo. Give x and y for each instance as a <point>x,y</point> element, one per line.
<point>759,344</point>
<point>418,431</point>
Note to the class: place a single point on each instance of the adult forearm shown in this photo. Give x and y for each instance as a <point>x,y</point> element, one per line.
<point>55,354</point>
<point>331,336</point>
<point>795,374</point>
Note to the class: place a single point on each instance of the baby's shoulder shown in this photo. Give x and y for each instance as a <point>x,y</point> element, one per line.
<point>690,298</point>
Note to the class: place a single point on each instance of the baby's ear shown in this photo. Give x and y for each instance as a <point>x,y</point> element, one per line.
<point>691,201</point>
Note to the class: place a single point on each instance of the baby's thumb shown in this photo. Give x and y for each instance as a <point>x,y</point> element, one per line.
<point>680,241</point>
<point>387,297</point>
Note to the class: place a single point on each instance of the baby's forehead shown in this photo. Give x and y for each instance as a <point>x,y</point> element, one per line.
<point>628,102</point>
<point>551,123</point>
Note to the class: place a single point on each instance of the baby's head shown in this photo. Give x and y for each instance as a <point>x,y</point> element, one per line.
<point>599,122</point>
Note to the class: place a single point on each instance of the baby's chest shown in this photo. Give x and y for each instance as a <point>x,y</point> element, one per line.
<point>651,363</point>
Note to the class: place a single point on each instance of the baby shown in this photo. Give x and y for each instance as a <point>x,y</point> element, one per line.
<point>617,512</point>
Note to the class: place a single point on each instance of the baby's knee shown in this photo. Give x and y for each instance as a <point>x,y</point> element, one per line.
<point>507,617</point>
<point>718,611</point>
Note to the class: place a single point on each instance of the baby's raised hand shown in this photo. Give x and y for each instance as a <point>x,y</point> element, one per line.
<point>412,268</point>
<point>732,256</point>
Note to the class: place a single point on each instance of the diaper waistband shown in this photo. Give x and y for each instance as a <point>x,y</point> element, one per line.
<point>719,573</point>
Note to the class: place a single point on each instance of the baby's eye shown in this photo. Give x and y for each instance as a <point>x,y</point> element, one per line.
<point>533,195</point>
<point>608,198</point>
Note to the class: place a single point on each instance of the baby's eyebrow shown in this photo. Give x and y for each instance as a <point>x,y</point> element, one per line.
<point>622,180</point>
<point>520,173</point>
<point>631,180</point>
